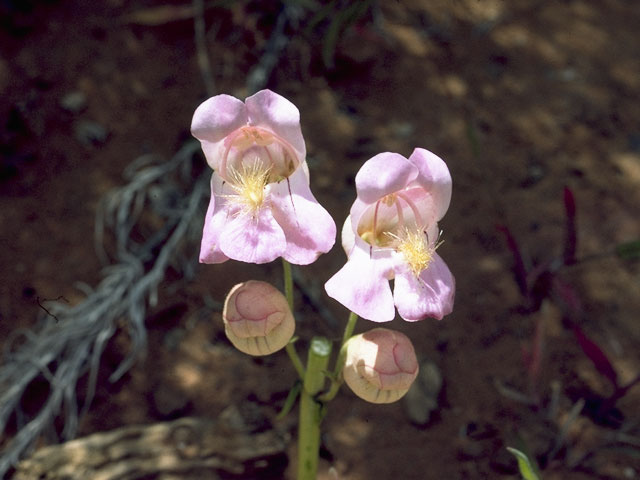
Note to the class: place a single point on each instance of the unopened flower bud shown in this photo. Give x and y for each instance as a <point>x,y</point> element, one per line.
<point>380,365</point>
<point>257,318</point>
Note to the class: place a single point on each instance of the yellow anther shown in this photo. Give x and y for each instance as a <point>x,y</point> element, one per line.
<point>249,184</point>
<point>389,200</point>
<point>261,137</point>
<point>414,247</point>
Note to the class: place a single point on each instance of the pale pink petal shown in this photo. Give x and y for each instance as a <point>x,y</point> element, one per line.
<point>308,227</point>
<point>433,234</point>
<point>423,202</point>
<point>362,287</point>
<point>269,110</point>
<point>348,237</point>
<point>358,209</point>
<point>431,296</point>
<point>217,117</point>
<point>253,238</point>
<point>214,222</point>
<point>384,174</point>
<point>214,120</point>
<point>434,177</point>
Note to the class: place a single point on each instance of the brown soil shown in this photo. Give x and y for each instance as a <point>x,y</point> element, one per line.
<point>520,98</point>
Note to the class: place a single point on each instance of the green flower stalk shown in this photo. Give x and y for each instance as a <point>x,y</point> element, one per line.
<point>311,409</point>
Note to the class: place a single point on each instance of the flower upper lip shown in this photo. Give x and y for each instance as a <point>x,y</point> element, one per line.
<point>274,150</point>
<point>218,122</point>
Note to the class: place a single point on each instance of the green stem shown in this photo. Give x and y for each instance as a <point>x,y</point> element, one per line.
<point>288,293</point>
<point>336,377</point>
<point>295,359</point>
<point>311,408</point>
<point>288,282</point>
<point>348,329</point>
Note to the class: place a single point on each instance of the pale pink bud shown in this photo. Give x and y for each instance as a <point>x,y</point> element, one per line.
<point>380,366</point>
<point>257,318</point>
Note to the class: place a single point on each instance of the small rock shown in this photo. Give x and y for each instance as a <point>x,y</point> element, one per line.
<point>410,39</point>
<point>535,173</point>
<point>168,401</point>
<point>5,75</point>
<point>470,450</point>
<point>88,132</point>
<point>422,398</point>
<point>478,440</point>
<point>402,130</point>
<point>634,142</point>
<point>246,417</point>
<point>173,337</point>
<point>568,74</point>
<point>74,102</point>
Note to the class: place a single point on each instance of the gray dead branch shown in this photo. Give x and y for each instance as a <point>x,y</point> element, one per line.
<point>70,341</point>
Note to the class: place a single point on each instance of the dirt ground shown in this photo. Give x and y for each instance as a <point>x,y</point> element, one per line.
<point>521,99</point>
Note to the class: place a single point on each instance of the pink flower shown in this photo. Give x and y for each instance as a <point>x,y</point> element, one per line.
<point>261,205</point>
<point>392,233</point>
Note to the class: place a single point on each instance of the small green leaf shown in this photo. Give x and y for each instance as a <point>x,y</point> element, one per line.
<point>331,40</point>
<point>342,19</point>
<point>326,11</point>
<point>291,399</point>
<point>629,250</point>
<point>306,4</point>
<point>527,469</point>
<point>474,140</point>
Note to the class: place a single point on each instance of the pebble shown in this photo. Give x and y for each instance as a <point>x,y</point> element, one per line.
<point>169,401</point>
<point>422,398</point>
<point>89,132</point>
<point>74,102</point>
<point>5,75</point>
<point>402,130</point>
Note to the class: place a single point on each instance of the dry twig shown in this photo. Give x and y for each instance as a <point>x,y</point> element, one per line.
<point>63,351</point>
<point>201,47</point>
<point>187,448</point>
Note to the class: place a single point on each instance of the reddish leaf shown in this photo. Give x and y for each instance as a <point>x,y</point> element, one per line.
<point>160,15</point>
<point>568,295</point>
<point>571,239</point>
<point>569,203</point>
<point>519,270</point>
<point>596,355</point>
<point>541,288</point>
<point>536,351</point>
